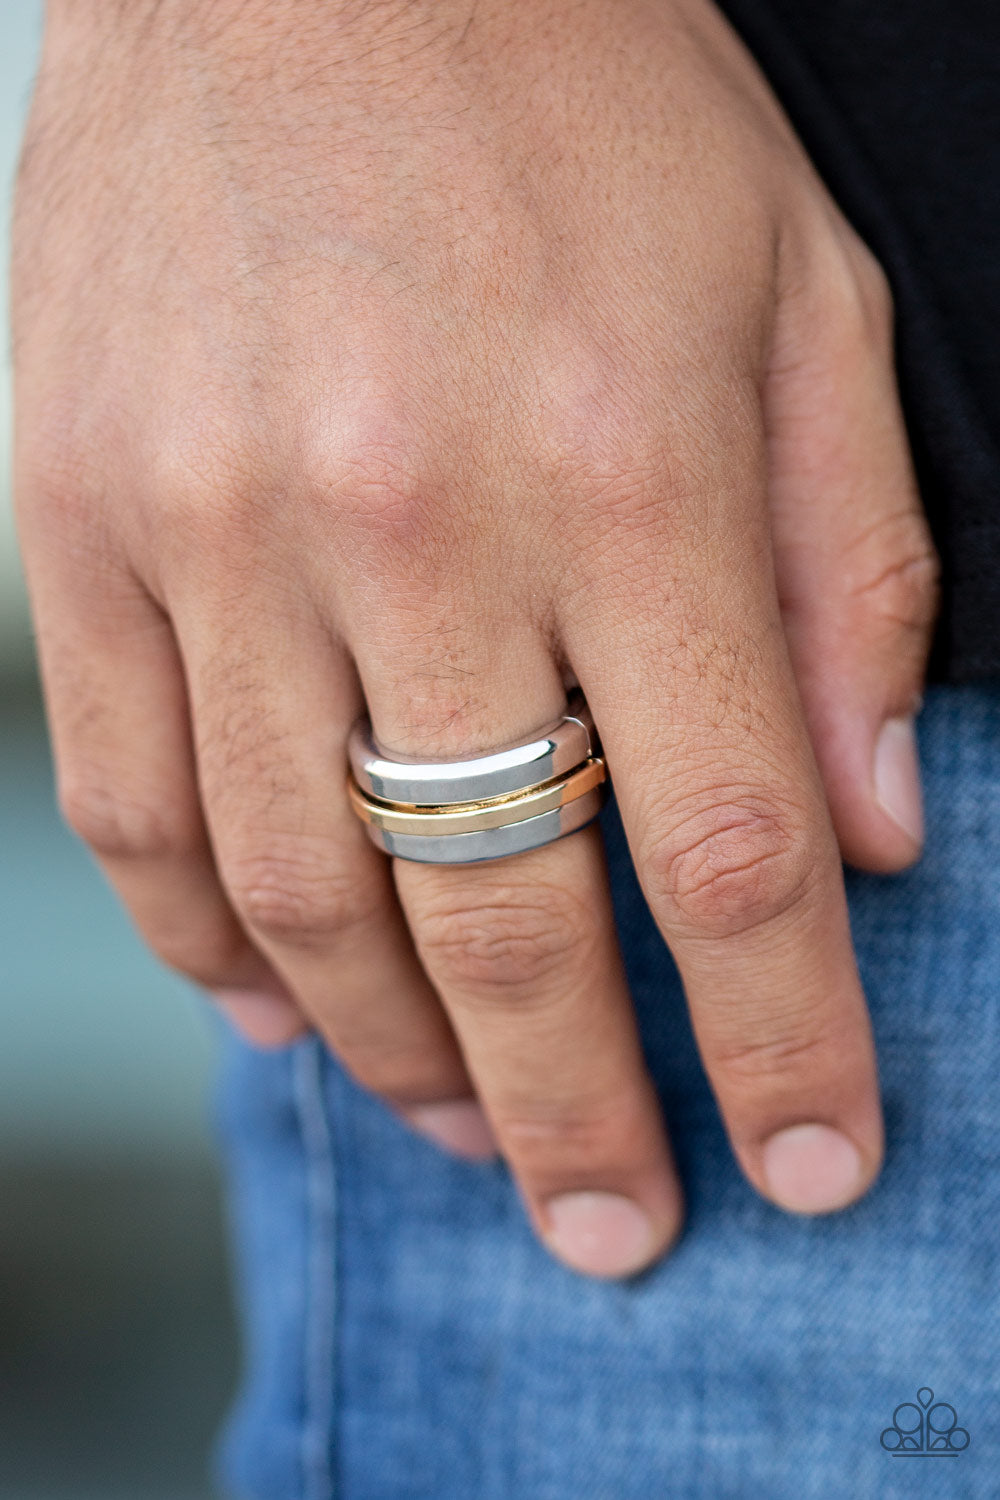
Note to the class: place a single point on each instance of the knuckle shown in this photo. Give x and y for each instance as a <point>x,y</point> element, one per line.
<point>895,574</point>
<point>840,288</point>
<point>213,486</point>
<point>377,489</point>
<point>369,474</point>
<point>736,864</point>
<point>292,897</point>
<point>780,1052</point>
<point>858,289</point>
<point>115,825</point>
<point>388,511</point>
<point>577,1138</point>
<point>610,468</point>
<point>210,953</point>
<point>510,941</point>
<point>405,1076</point>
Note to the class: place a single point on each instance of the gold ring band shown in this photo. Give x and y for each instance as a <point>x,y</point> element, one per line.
<point>470,817</point>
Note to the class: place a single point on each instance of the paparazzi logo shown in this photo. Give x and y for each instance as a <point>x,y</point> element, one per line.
<point>925,1428</point>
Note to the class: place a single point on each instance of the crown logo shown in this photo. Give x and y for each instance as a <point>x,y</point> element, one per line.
<point>925,1429</point>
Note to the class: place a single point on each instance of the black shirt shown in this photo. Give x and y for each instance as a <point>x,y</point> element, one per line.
<point>898,103</point>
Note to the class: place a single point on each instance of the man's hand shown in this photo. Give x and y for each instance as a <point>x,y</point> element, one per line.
<point>434,356</point>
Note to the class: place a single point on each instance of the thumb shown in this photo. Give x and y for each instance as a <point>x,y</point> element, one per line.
<point>855,567</point>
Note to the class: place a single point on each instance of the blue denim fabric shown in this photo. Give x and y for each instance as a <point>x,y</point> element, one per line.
<point>407,1337</point>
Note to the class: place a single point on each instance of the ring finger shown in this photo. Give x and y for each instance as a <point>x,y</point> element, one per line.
<point>271,722</point>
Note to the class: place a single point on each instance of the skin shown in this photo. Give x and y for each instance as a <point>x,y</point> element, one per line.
<point>435,358</point>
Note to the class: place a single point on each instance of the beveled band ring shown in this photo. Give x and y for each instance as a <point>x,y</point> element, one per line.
<point>459,812</point>
<point>551,751</point>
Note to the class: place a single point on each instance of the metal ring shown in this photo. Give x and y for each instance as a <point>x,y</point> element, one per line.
<point>552,751</point>
<point>491,843</point>
<point>472,817</point>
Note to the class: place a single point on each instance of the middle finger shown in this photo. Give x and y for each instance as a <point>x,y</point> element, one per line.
<point>524,955</point>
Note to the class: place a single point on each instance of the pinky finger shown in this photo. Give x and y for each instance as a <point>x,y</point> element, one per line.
<point>118,713</point>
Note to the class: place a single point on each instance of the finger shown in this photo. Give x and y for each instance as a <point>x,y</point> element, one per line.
<point>689,681</point>
<point>272,711</point>
<point>854,563</point>
<point>524,954</point>
<point>118,713</point>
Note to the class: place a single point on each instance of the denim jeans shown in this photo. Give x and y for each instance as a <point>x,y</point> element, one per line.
<point>408,1337</point>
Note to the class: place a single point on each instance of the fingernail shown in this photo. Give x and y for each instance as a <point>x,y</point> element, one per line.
<point>897,777</point>
<point>600,1234</point>
<point>266,1018</point>
<point>458,1125</point>
<point>811,1169</point>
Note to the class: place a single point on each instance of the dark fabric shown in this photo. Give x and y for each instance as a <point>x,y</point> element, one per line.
<point>898,103</point>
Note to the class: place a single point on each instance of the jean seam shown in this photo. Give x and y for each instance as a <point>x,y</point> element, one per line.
<point>320,1298</point>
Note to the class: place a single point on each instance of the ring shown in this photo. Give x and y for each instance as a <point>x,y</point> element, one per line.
<point>463,811</point>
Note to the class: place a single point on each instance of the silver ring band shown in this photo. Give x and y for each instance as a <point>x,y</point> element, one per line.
<point>492,843</point>
<point>555,749</point>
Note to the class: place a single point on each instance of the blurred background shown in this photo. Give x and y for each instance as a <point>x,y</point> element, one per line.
<point>117,1345</point>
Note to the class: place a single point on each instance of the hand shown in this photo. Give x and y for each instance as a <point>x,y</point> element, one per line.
<point>434,357</point>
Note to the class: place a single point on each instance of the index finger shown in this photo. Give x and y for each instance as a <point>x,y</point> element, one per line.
<point>687,674</point>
